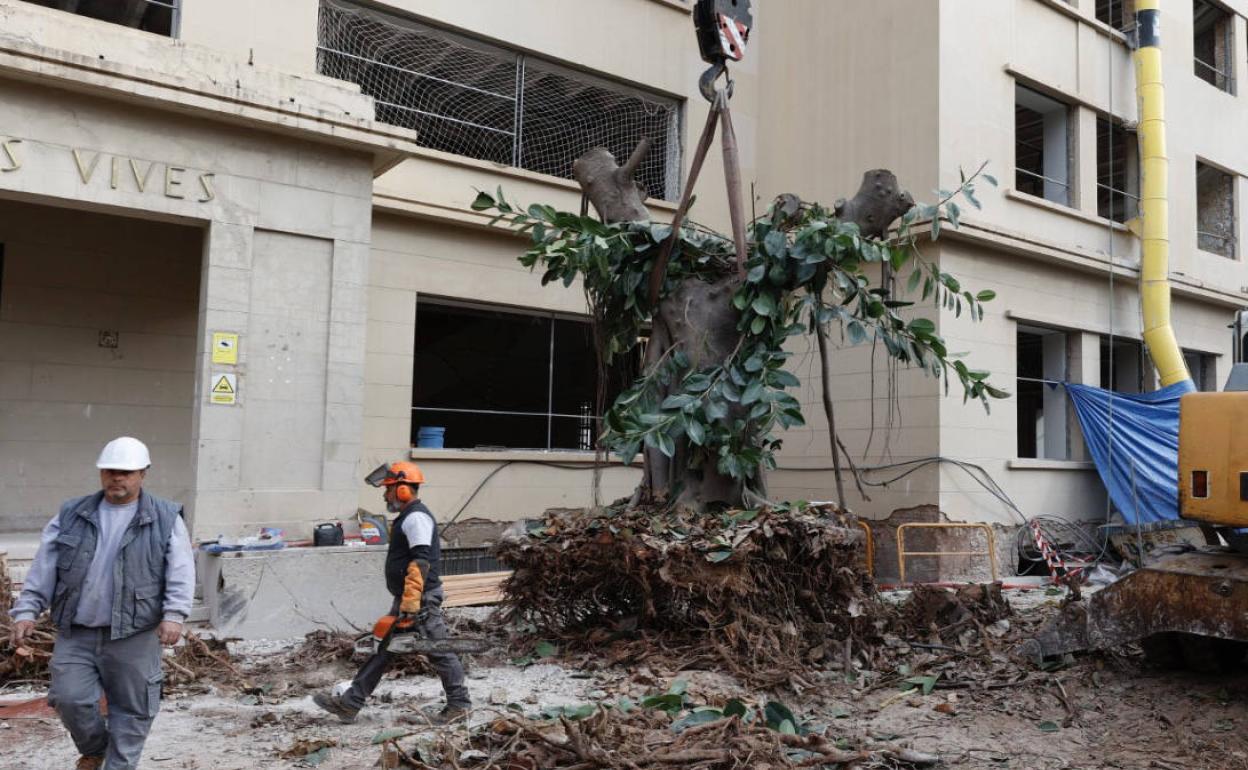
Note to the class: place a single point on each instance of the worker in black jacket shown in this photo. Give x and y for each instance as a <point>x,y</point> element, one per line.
<point>412,577</point>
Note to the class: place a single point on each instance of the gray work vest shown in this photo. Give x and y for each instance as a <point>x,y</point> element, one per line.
<point>138,571</point>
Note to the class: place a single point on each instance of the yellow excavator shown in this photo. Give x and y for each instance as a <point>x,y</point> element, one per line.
<point>1191,607</point>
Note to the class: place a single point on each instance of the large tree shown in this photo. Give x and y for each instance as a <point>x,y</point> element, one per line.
<point>713,387</point>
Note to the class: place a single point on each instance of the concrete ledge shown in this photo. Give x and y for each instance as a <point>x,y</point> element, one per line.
<point>1036,464</point>
<point>511,455</point>
<point>289,593</point>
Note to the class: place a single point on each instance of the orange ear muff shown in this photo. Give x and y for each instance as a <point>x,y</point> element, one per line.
<point>404,494</point>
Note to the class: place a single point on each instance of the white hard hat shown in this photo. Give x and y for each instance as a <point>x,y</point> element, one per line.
<point>124,454</point>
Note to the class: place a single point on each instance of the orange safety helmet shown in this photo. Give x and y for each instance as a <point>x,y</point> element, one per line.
<point>406,475</point>
<point>395,473</point>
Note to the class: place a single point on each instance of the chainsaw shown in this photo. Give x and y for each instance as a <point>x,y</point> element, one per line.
<point>402,639</point>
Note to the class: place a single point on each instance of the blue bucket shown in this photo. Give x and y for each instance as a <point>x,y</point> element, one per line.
<point>430,437</point>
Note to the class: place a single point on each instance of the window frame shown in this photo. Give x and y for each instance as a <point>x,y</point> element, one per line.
<point>1231,239</point>
<point>521,62</point>
<point>1070,185</point>
<point>1069,423</point>
<point>175,16</point>
<point>1131,176</point>
<point>550,316</point>
<point>1227,70</point>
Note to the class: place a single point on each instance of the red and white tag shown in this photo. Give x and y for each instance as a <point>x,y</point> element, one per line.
<point>733,36</point>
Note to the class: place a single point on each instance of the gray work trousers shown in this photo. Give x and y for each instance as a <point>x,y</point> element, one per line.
<point>86,663</point>
<point>447,664</point>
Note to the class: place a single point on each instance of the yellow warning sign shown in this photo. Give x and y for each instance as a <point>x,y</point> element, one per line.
<point>224,348</point>
<point>224,389</point>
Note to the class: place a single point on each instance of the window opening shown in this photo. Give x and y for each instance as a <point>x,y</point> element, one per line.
<point>159,17</point>
<point>1042,146</point>
<point>1215,211</point>
<point>503,379</point>
<point>1117,172</point>
<point>468,97</point>
<point>1043,409</point>
<point>1212,44</point>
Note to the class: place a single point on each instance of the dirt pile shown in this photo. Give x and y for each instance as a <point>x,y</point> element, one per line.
<point>762,593</point>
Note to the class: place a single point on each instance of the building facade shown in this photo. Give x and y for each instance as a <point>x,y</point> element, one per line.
<point>243,233</point>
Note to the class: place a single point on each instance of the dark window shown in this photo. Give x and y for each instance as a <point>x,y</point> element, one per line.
<point>1203,369</point>
<point>494,378</point>
<point>1042,146</point>
<point>1123,365</point>
<point>1213,44</point>
<point>1119,14</point>
<point>468,97</point>
<point>157,16</point>
<point>1043,413</point>
<point>1117,172</point>
<point>1215,210</point>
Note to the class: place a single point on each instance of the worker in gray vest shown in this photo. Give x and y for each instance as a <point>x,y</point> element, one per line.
<point>116,570</point>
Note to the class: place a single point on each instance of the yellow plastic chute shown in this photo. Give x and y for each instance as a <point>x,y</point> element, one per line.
<point>1155,226</point>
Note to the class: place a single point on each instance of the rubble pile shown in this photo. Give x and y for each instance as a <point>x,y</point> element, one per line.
<point>764,593</point>
<point>648,738</point>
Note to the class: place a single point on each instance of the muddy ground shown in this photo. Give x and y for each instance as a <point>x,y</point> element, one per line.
<point>982,711</point>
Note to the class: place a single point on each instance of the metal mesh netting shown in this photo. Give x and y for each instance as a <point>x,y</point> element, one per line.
<point>478,100</point>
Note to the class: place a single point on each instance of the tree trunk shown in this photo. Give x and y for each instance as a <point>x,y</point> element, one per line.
<point>699,319</point>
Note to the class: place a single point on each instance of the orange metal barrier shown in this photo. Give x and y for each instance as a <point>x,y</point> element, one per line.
<point>902,554</point>
<point>870,546</point>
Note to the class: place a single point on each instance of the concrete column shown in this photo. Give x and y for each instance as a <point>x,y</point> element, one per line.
<point>1239,52</point>
<point>225,297</point>
<point>1083,151</point>
<point>1055,416</point>
<point>1057,156</point>
<point>1085,368</point>
<point>344,378</point>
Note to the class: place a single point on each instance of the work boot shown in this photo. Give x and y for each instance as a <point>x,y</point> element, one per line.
<point>448,714</point>
<point>89,763</point>
<point>334,705</point>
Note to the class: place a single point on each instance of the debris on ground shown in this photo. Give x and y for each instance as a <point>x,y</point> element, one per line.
<point>763,593</point>
<point>708,738</point>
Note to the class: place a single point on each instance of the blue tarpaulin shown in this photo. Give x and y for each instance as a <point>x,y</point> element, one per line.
<point>1143,433</point>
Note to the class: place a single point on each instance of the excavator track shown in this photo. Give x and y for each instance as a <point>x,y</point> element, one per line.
<point>1202,593</point>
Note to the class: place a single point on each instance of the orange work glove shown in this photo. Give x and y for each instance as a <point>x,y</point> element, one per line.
<point>413,589</point>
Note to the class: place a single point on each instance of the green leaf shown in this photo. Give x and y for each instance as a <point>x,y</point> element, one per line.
<point>757,325</point>
<point>482,202</point>
<point>922,326</point>
<point>697,717</point>
<point>668,702</point>
<point>666,445</point>
<point>678,687</point>
<point>987,295</point>
<point>913,282</point>
<point>775,713</point>
<point>316,758</point>
<point>764,304</point>
<point>1048,727</point>
<point>545,649</point>
<point>756,274</point>
<point>787,728</point>
<point>928,683</point>
<point>990,179</point>
<point>696,433</point>
<point>716,557</point>
<point>735,708</point>
<point>752,393</point>
<point>391,733</point>
<point>625,704</point>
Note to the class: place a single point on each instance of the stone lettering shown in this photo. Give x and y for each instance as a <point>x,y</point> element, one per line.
<point>141,181</point>
<point>10,153</point>
<point>85,172</point>
<point>205,184</point>
<point>173,182</point>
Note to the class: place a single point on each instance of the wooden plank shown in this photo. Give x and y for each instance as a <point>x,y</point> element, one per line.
<point>475,589</point>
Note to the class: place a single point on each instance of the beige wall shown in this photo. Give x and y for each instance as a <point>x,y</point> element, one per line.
<point>411,258</point>
<point>68,277</point>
